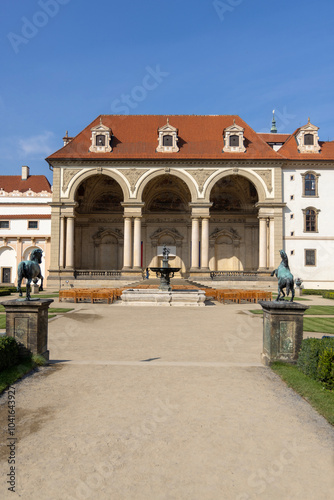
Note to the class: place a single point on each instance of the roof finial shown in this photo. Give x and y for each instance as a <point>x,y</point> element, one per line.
<point>167,121</point>
<point>273,129</point>
<point>308,121</point>
<point>233,121</point>
<point>66,135</point>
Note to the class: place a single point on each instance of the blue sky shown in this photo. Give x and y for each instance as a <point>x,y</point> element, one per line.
<point>64,62</point>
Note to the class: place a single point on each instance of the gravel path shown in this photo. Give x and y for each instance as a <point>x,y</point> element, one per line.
<point>163,403</point>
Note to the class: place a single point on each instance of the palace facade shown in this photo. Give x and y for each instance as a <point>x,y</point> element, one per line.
<point>224,198</point>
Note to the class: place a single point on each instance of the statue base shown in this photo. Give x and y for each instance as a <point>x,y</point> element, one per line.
<point>27,322</point>
<point>282,331</point>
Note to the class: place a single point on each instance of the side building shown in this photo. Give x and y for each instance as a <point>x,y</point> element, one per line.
<point>25,222</point>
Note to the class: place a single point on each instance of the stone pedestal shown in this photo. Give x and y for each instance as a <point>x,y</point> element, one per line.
<point>298,291</point>
<point>27,322</point>
<point>282,331</point>
<point>34,289</point>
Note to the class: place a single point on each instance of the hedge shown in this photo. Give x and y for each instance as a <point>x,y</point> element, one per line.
<point>4,292</point>
<point>310,291</point>
<point>9,352</point>
<point>316,359</point>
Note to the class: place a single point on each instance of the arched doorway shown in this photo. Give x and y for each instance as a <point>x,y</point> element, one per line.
<point>8,265</point>
<point>166,221</point>
<point>234,233</point>
<point>98,241</point>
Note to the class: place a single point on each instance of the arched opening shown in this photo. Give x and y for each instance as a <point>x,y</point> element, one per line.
<point>234,225</point>
<point>98,241</point>
<point>166,221</point>
<point>7,265</point>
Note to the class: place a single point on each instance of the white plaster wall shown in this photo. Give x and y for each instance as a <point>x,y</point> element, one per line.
<point>322,275</point>
<point>19,227</point>
<point>24,210</point>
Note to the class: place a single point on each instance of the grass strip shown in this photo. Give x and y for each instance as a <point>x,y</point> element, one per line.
<point>313,391</point>
<point>2,321</point>
<point>11,375</point>
<point>322,325</point>
<point>319,310</point>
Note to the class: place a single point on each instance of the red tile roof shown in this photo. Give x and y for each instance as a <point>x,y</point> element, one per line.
<point>25,216</point>
<point>36,183</point>
<point>290,150</point>
<point>274,137</point>
<point>136,137</point>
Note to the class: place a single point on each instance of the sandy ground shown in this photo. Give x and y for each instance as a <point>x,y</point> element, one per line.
<point>163,403</point>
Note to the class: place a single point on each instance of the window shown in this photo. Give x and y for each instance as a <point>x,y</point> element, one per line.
<point>4,224</point>
<point>311,220</point>
<point>308,139</point>
<point>292,177</point>
<point>292,216</point>
<point>32,224</point>
<point>310,184</point>
<point>292,197</point>
<point>292,233</point>
<point>100,140</point>
<point>167,140</point>
<point>6,274</point>
<point>310,257</point>
<point>234,141</point>
<point>292,252</point>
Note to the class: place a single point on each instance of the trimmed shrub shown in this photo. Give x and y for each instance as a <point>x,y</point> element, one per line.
<point>9,352</point>
<point>309,355</point>
<point>325,371</point>
<point>328,294</point>
<point>4,292</point>
<point>310,291</point>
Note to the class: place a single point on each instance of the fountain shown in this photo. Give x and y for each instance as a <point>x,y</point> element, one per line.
<point>164,296</point>
<point>165,273</point>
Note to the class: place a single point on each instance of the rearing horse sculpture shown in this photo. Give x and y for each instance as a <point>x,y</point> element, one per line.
<point>31,271</point>
<point>285,278</point>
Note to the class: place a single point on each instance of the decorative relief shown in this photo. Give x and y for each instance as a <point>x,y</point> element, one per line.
<point>68,174</point>
<point>201,175</point>
<point>161,231</point>
<point>267,177</point>
<point>132,175</point>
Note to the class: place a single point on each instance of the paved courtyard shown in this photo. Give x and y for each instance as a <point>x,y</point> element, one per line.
<point>164,403</point>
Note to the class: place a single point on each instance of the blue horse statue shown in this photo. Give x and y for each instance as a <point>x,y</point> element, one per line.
<point>31,271</point>
<point>285,278</point>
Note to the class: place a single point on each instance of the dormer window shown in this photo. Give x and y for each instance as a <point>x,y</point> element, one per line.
<point>308,139</point>
<point>234,139</point>
<point>167,139</point>
<point>100,139</point>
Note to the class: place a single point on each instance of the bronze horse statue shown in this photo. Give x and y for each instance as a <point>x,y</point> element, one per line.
<point>285,278</point>
<point>31,271</point>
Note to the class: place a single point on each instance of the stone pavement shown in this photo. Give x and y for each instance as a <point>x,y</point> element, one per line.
<point>163,403</point>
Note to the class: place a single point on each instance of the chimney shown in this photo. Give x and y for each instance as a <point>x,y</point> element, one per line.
<point>25,173</point>
<point>67,139</point>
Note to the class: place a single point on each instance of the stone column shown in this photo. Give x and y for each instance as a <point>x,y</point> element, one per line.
<point>205,244</point>
<point>195,243</point>
<point>19,249</point>
<point>70,243</point>
<point>61,242</point>
<point>127,261</point>
<point>271,262</point>
<point>137,243</point>
<point>263,244</point>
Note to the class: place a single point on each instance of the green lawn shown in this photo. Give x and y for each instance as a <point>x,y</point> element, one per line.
<point>320,398</point>
<point>319,310</point>
<point>2,321</point>
<point>323,325</point>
